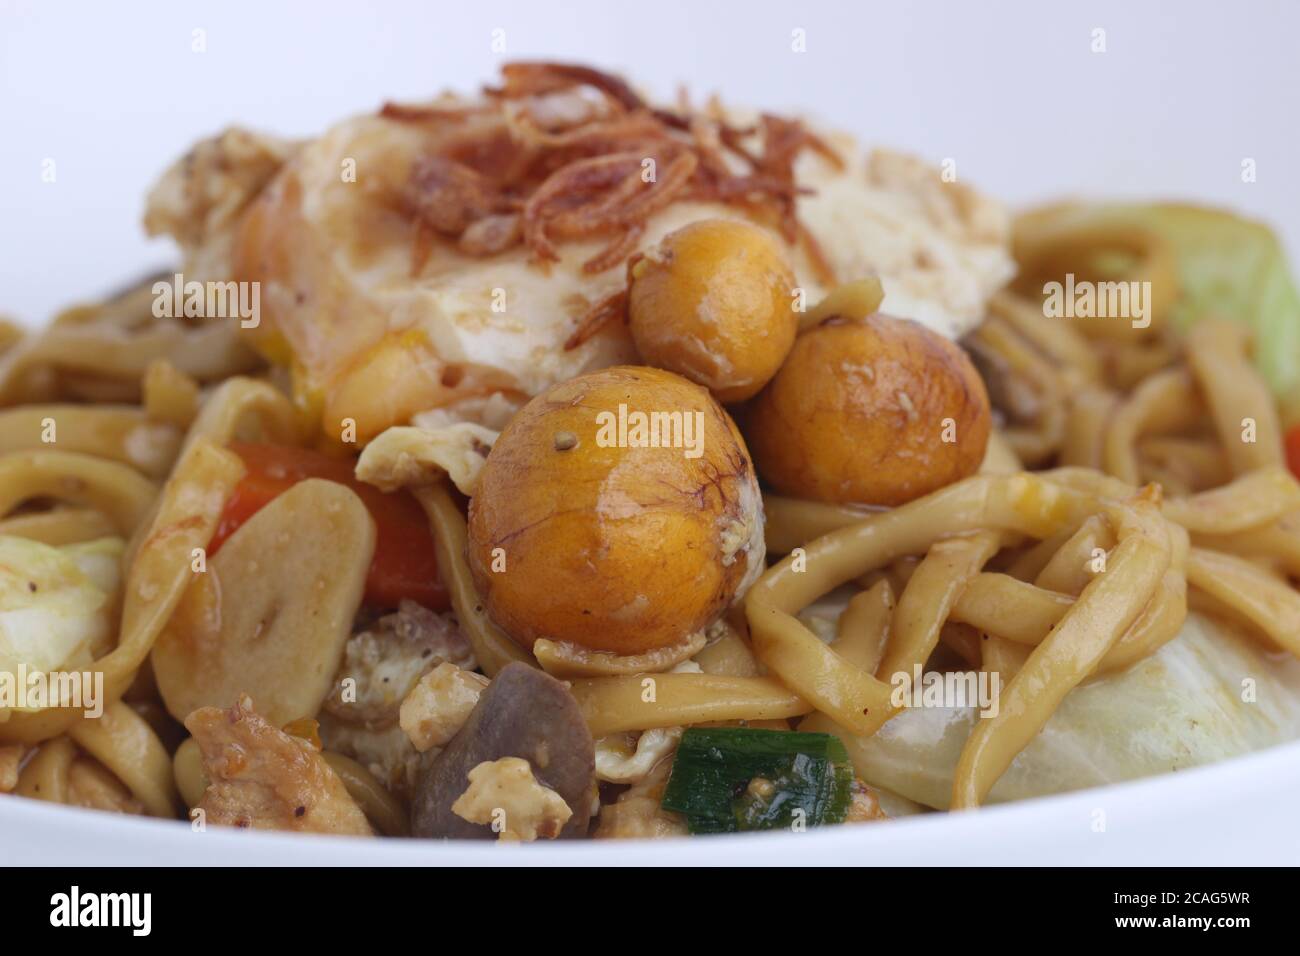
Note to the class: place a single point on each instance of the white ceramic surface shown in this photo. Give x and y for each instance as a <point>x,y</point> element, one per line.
<point>1238,812</point>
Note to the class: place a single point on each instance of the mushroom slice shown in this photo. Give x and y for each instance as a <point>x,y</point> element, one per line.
<point>271,616</point>
<point>523,713</point>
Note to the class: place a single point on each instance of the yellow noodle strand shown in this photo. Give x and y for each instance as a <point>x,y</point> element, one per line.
<point>124,742</point>
<point>925,603</point>
<point>1009,608</point>
<point>1236,394</point>
<point>116,433</point>
<point>114,489</point>
<point>492,646</point>
<point>1263,599</point>
<point>863,628</point>
<point>859,702</point>
<point>1104,611</point>
<point>613,705</point>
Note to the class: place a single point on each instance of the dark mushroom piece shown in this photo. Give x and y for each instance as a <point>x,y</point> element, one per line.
<point>523,713</point>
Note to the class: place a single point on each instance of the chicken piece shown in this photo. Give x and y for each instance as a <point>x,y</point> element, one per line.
<point>383,662</point>
<point>864,805</point>
<point>637,815</point>
<point>505,795</point>
<point>438,706</point>
<point>199,199</point>
<point>263,778</point>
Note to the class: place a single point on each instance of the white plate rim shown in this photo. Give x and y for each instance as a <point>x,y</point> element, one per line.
<point>1235,812</point>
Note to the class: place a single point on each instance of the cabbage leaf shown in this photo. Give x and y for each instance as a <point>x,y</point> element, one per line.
<point>1210,694</point>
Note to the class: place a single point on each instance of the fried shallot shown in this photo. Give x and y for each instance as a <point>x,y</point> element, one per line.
<point>562,152</point>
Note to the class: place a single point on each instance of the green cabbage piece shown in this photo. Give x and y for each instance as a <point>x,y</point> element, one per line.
<point>1227,266</point>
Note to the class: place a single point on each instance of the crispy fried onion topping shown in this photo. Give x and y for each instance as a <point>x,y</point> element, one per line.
<point>561,152</point>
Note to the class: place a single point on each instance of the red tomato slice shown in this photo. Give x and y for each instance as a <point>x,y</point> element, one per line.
<point>404,565</point>
<point>1293,450</point>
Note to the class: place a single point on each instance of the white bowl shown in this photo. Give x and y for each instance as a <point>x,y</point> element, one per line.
<point>1240,811</point>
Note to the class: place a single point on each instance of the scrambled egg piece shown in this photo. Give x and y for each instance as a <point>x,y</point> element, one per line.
<point>438,706</point>
<point>386,752</point>
<point>505,794</point>
<point>406,457</point>
<point>263,778</point>
<point>382,662</point>
<point>637,815</point>
<point>618,760</point>
<point>864,805</point>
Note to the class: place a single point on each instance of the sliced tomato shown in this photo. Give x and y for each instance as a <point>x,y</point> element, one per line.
<point>404,565</point>
<point>1293,449</point>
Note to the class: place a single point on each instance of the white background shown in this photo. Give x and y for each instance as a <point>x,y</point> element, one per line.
<point>112,91</point>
